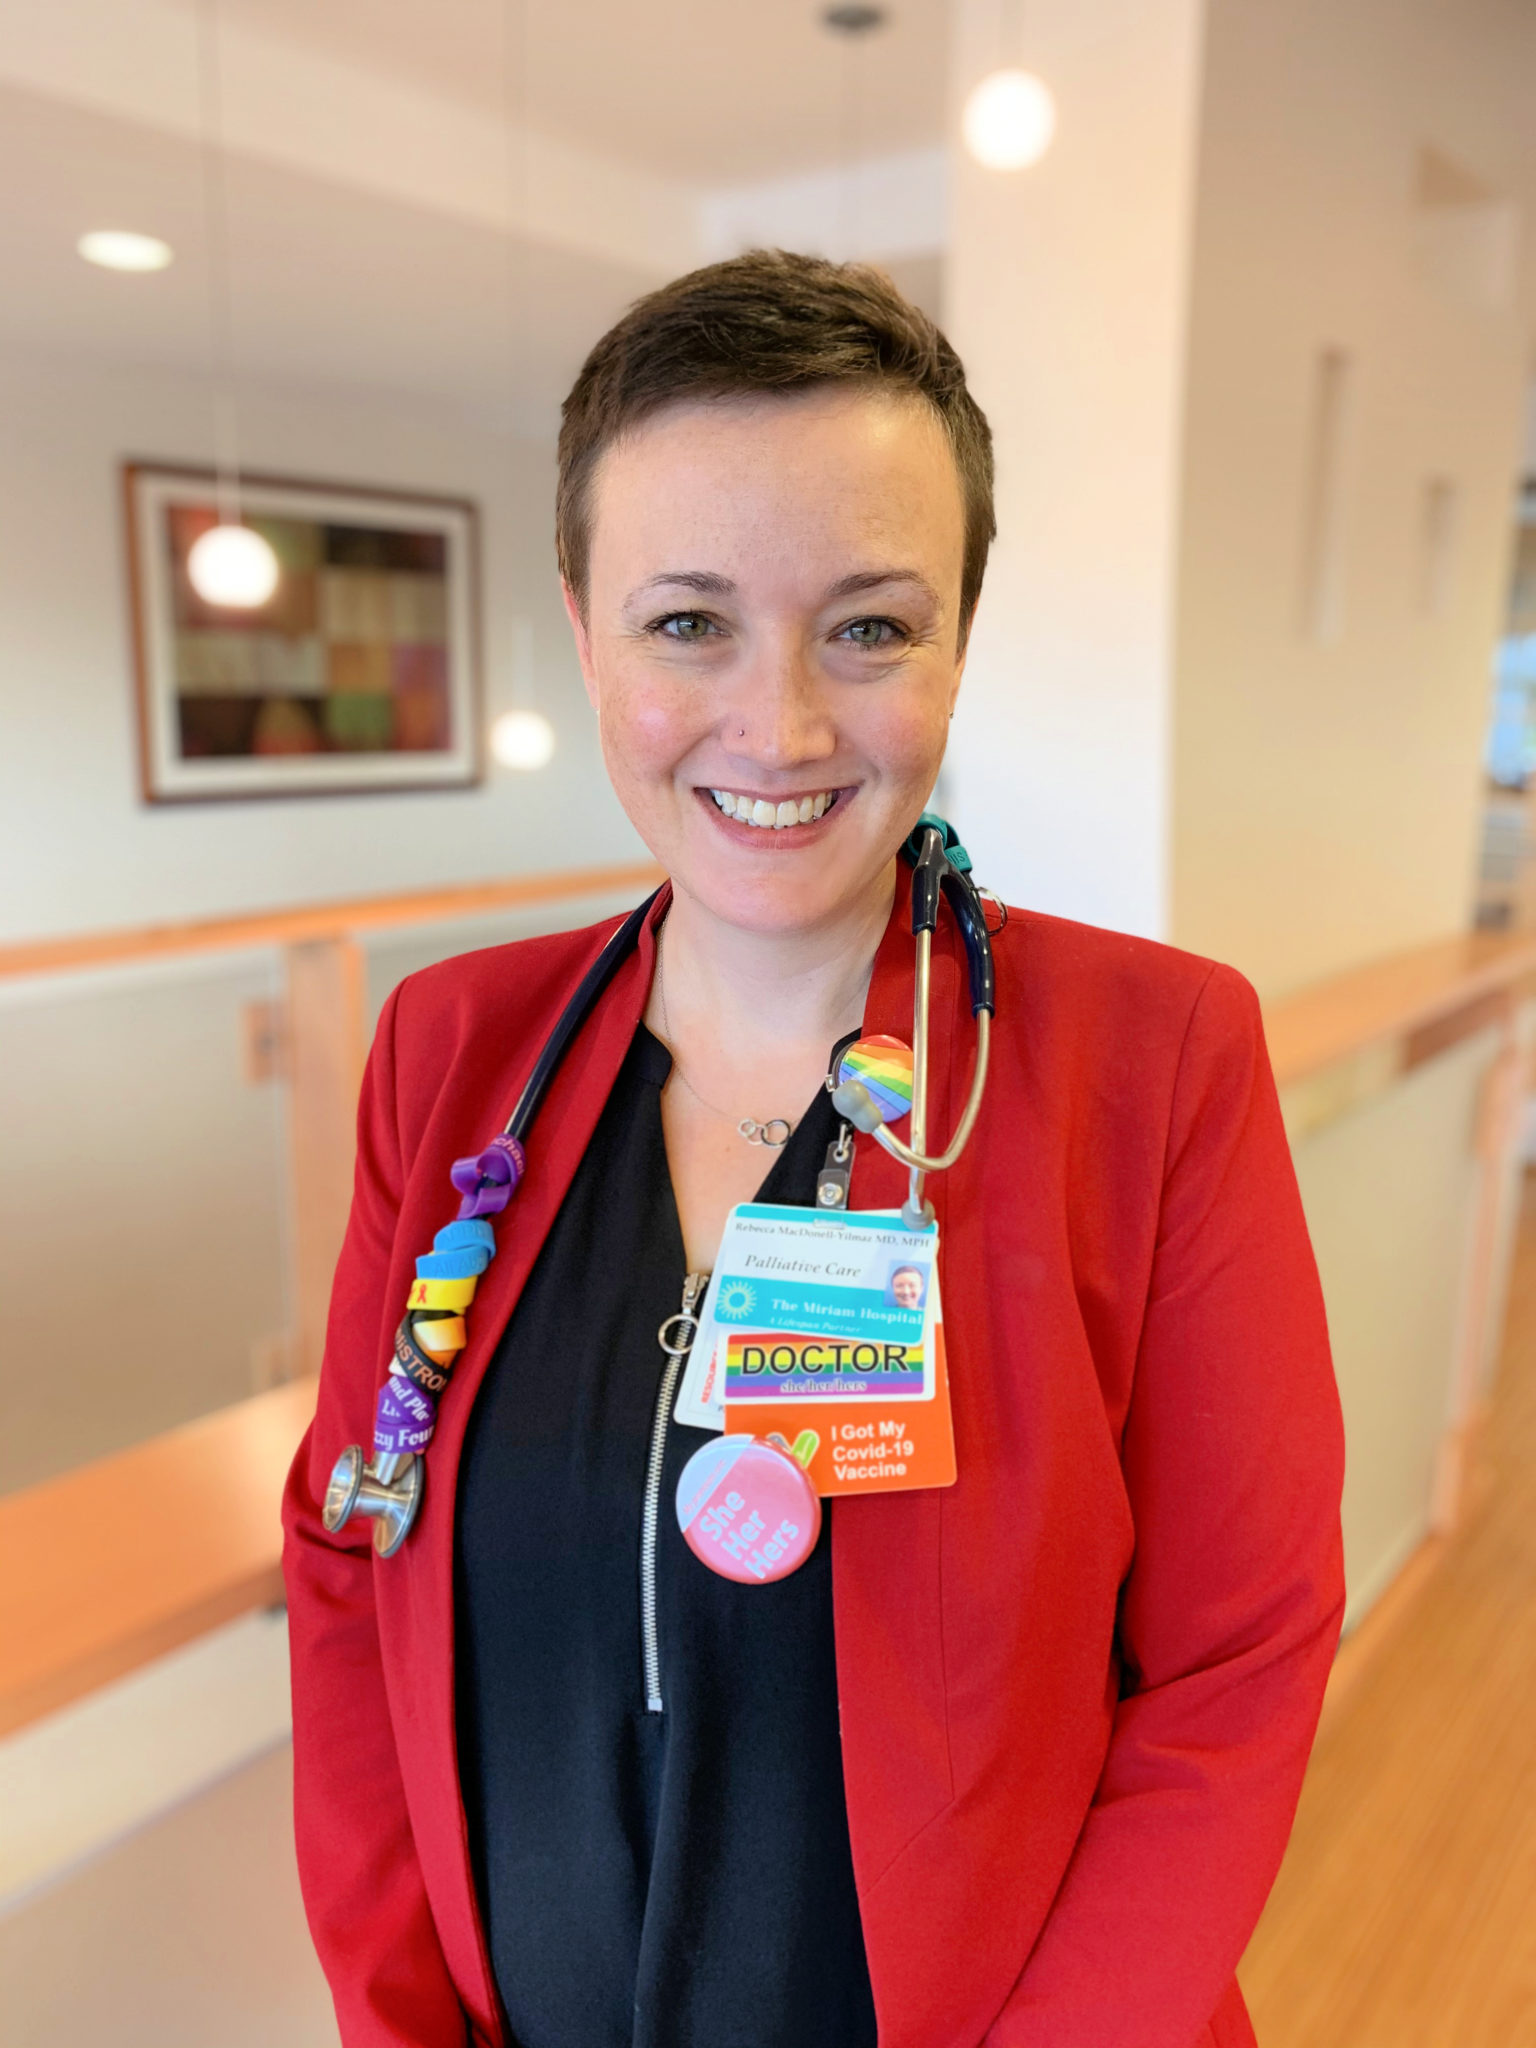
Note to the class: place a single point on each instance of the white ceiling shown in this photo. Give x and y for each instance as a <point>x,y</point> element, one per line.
<point>329,285</point>
<point>712,91</point>
<point>374,237</point>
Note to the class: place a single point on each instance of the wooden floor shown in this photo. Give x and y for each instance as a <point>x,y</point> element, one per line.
<point>1405,1913</point>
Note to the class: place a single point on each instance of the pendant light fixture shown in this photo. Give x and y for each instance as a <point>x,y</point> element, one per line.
<point>1009,119</point>
<point>522,737</point>
<point>231,565</point>
<point>851,21</point>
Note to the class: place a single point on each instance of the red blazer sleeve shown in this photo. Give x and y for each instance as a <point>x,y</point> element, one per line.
<point>1233,1464</point>
<point>362,1882</point>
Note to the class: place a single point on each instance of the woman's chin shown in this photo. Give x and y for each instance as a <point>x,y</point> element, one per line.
<point>784,897</point>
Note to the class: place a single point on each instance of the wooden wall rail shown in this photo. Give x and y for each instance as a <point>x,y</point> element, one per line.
<point>319,921</point>
<point>128,1557</point>
<point>325,1026</point>
<point>1387,1002</point>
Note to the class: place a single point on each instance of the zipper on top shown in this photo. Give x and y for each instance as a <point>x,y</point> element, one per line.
<point>675,1337</point>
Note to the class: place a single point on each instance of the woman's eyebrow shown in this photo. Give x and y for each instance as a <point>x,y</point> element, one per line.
<point>873,579</point>
<point>707,583</point>
<point>704,582</point>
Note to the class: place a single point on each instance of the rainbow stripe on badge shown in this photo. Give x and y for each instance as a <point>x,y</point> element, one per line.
<point>884,1065</point>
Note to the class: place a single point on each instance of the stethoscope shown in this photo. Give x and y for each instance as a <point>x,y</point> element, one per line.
<point>387,1487</point>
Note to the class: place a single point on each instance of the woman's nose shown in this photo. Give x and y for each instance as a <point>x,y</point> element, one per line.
<point>779,715</point>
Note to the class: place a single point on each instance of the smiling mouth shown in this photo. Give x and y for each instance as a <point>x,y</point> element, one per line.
<point>769,816</point>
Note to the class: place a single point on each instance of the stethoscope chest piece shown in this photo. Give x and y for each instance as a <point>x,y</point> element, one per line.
<point>747,1509</point>
<point>387,1488</point>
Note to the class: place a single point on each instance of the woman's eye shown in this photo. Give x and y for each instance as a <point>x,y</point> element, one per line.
<point>684,626</point>
<point>872,632</point>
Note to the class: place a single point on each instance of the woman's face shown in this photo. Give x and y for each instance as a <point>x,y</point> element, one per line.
<point>772,633</point>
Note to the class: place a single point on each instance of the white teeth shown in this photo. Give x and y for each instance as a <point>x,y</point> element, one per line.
<point>773,817</point>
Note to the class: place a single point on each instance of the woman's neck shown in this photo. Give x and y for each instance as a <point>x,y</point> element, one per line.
<point>727,990</point>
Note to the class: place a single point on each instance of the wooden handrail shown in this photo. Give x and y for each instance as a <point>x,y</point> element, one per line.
<point>325,1027</point>
<point>1308,1031</point>
<point>344,919</point>
<point>1389,1000</point>
<point>130,1556</point>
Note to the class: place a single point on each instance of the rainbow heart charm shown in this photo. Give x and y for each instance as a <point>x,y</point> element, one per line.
<point>884,1065</point>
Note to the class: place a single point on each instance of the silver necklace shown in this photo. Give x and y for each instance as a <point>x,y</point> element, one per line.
<point>773,1131</point>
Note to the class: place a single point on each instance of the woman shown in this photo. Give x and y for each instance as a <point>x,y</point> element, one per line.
<point>1010,1761</point>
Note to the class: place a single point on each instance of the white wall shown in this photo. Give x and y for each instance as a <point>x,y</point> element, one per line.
<point>1327,785</point>
<point>1389,1190</point>
<point>1066,288</point>
<point>78,849</point>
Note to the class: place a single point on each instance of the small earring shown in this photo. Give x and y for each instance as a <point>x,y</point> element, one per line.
<point>741,732</point>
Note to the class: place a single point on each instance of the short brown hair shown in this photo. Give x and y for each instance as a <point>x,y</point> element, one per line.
<point>764,322</point>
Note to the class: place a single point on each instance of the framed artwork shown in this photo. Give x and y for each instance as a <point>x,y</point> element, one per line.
<point>359,672</point>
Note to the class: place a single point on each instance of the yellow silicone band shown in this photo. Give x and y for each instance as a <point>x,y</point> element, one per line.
<point>441,1294</point>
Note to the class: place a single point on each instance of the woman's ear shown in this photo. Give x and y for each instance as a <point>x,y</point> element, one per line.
<point>583,638</point>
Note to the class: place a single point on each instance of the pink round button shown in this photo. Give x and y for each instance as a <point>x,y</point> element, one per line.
<point>747,1509</point>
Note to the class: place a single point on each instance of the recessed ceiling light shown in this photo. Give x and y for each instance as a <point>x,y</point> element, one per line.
<point>116,249</point>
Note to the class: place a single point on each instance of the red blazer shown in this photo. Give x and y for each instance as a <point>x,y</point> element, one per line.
<point>1078,1688</point>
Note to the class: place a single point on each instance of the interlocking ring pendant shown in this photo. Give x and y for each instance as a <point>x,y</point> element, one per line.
<point>764,1134</point>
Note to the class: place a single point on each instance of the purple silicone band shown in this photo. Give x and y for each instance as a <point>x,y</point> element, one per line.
<point>404,1418</point>
<point>489,1182</point>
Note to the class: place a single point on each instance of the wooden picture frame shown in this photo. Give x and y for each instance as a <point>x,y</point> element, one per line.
<point>360,673</point>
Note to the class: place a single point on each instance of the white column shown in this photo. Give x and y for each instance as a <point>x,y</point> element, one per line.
<point>1066,295</point>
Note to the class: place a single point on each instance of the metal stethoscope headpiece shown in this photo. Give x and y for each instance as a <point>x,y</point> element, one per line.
<point>938,870</point>
<point>386,1486</point>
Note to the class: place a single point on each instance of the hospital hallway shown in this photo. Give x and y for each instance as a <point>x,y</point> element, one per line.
<point>1405,1912</point>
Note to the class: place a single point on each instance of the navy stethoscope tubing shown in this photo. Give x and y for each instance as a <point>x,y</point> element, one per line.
<point>583,1002</point>
<point>940,867</point>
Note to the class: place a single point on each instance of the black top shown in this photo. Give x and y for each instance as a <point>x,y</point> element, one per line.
<point>673,1879</point>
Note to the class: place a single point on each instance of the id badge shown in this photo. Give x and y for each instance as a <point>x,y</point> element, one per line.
<point>827,1327</point>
